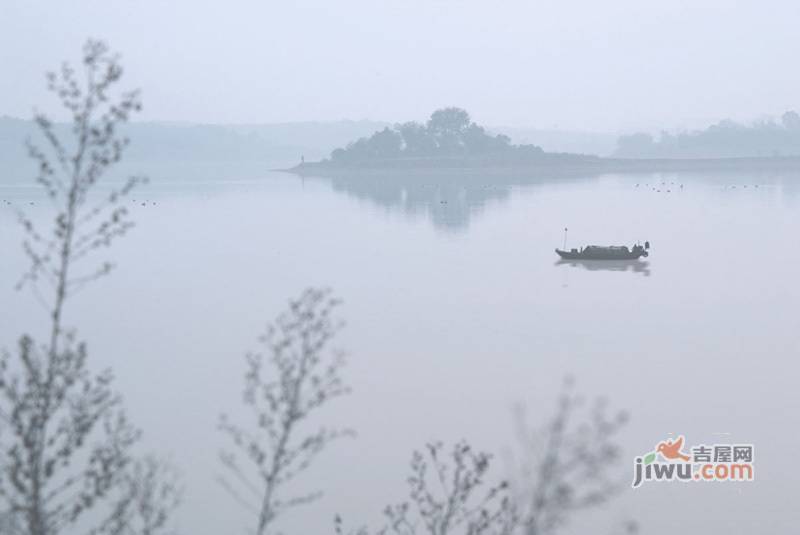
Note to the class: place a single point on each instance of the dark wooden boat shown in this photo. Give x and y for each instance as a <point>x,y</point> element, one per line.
<point>602,252</point>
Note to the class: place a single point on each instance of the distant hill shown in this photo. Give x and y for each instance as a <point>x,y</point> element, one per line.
<point>552,140</point>
<point>726,139</point>
<point>273,145</point>
<point>160,142</point>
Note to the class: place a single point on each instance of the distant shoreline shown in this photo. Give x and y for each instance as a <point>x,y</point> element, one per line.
<point>591,164</point>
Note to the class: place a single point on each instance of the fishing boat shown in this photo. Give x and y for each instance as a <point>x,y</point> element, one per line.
<point>606,252</point>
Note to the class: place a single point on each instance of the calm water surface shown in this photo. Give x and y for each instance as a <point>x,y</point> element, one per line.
<point>456,310</point>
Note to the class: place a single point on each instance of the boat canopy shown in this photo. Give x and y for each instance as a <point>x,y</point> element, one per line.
<point>608,247</point>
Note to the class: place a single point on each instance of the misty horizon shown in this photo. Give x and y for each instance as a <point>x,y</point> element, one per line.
<point>499,128</point>
<point>573,66</point>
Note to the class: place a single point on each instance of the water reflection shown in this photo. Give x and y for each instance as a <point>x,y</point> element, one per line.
<point>448,199</point>
<point>451,198</point>
<point>448,202</point>
<point>634,266</point>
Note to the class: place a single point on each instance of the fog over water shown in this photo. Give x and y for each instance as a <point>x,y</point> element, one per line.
<point>446,145</point>
<point>456,309</point>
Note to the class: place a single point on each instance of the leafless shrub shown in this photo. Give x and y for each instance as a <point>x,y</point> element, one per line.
<point>298,375</point>
<point>65,442</point>
<point>567,465</point>
<point>448,494</point>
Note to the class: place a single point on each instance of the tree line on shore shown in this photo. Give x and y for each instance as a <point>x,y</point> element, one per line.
<point>450,132</point>
<point>725,139</point>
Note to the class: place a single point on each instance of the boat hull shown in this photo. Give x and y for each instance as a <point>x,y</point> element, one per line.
<point>601,255</point>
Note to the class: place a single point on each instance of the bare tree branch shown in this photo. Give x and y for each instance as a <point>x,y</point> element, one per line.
<point>567,465</point>
<point>299,375</point>
<point>448,494</point>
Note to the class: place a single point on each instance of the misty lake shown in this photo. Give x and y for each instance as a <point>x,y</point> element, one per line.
<point>457,310</point>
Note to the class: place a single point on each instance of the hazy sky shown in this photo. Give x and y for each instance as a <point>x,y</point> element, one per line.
<point>589,65</point>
